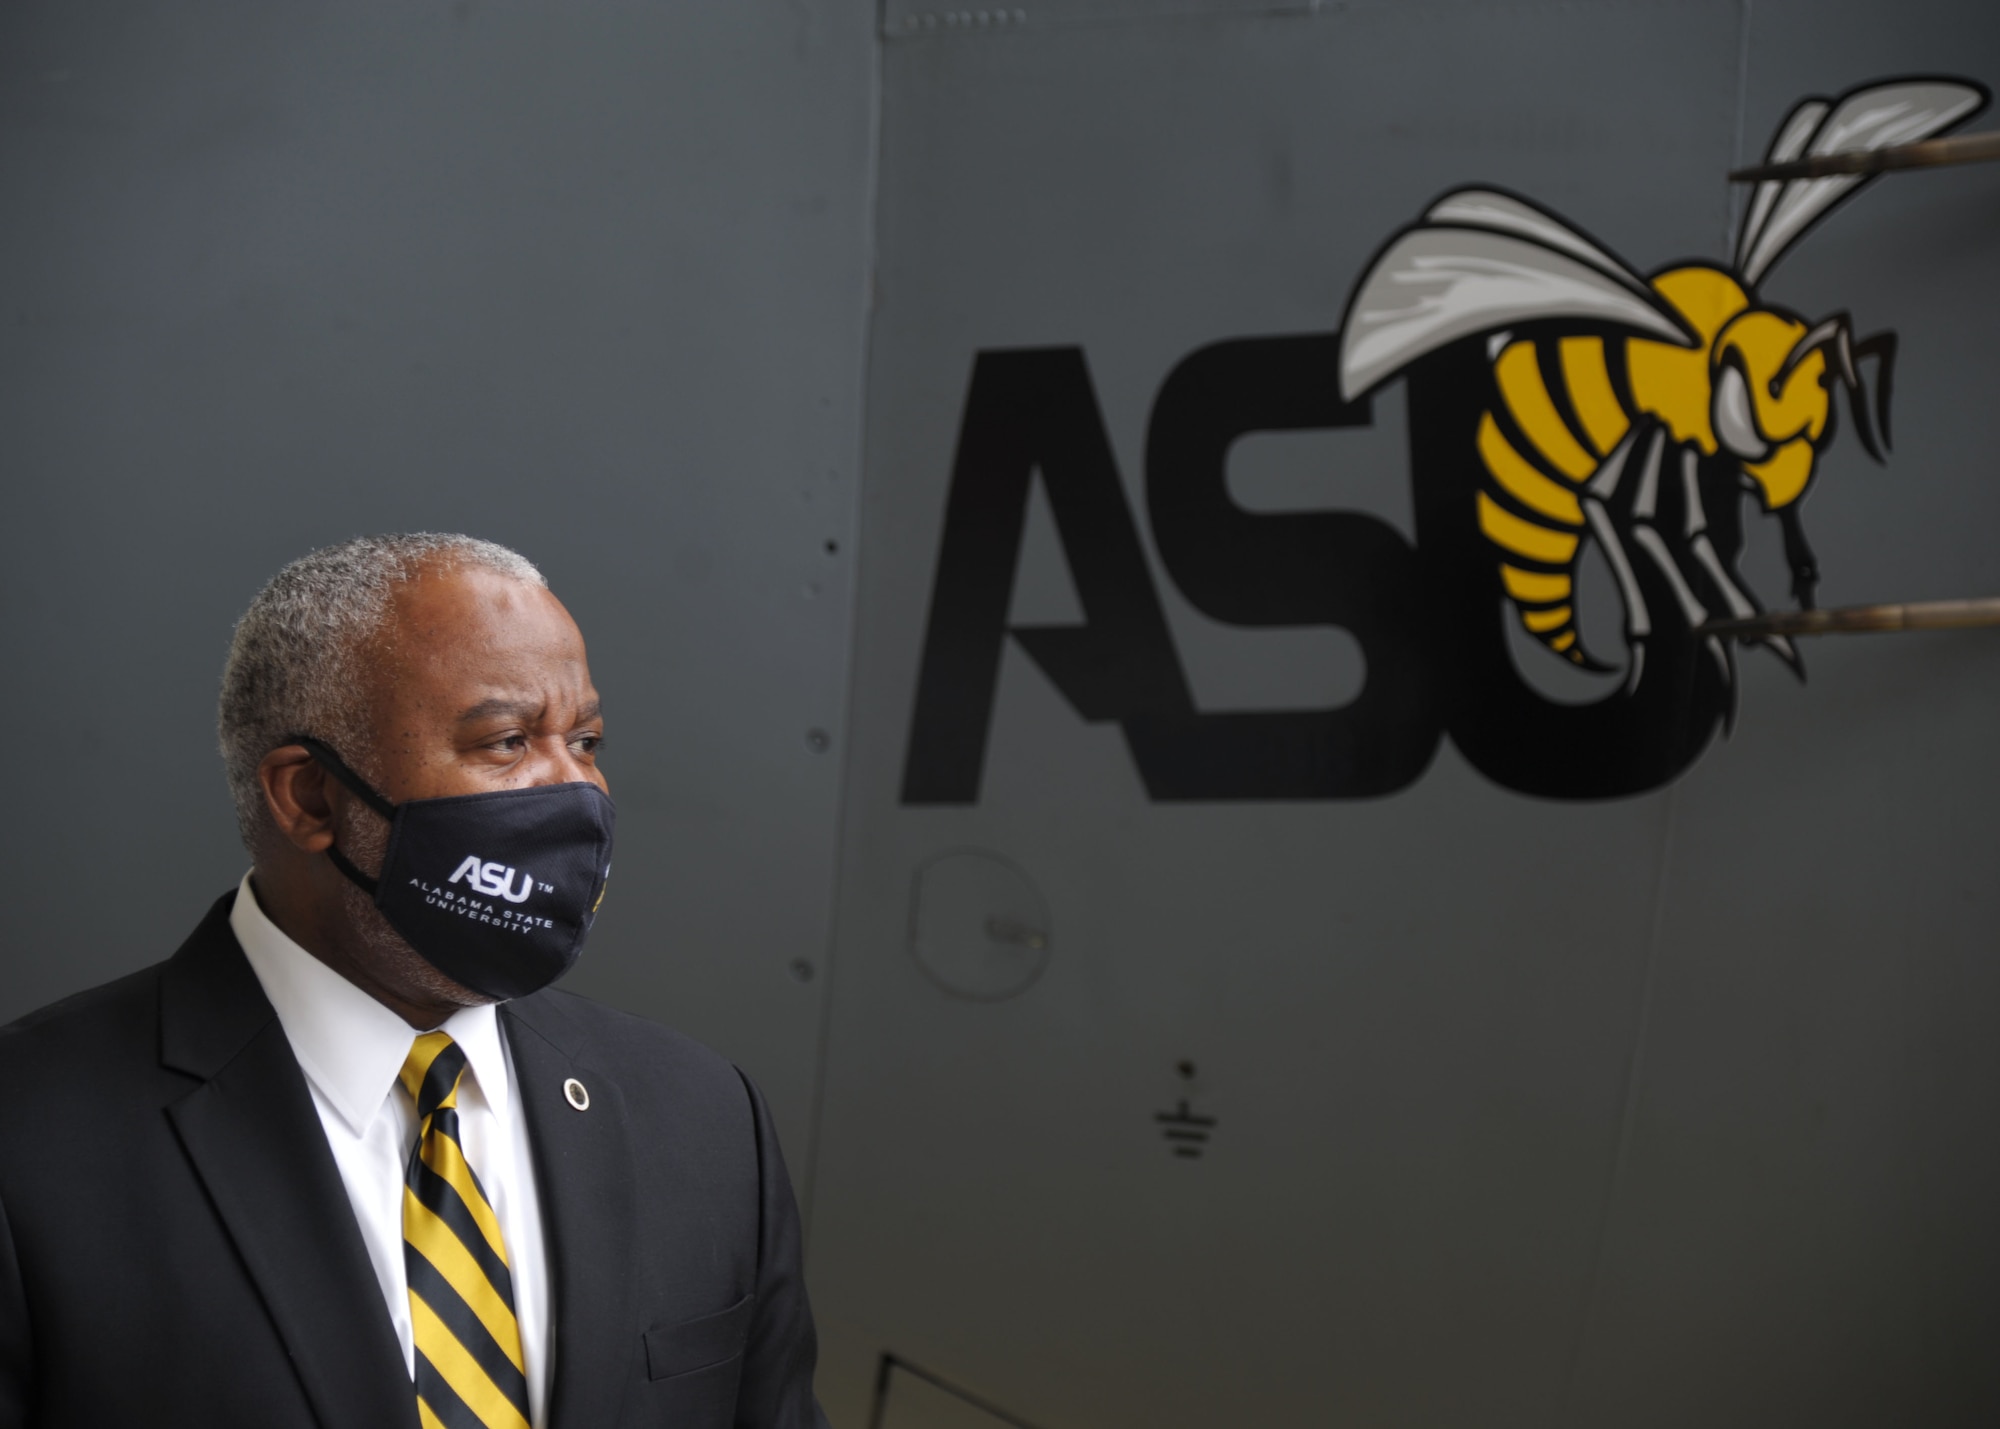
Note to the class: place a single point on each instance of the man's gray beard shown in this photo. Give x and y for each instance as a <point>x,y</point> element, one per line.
<point>363,836</point>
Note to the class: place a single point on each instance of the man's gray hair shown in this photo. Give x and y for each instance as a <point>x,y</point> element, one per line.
<point>295,664</point>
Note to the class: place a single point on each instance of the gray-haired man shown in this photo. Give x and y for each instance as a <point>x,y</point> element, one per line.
<point>343,1159</point>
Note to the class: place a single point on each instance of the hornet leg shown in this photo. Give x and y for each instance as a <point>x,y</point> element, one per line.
<point>1799,556</point>
<point>1646,534</point>
<point>1604,488</point>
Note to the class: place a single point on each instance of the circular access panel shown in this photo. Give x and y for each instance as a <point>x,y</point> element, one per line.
<point>978,925</point>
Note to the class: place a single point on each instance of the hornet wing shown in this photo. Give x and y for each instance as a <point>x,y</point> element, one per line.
<point>1477,261</point>
<point>1873,117</point>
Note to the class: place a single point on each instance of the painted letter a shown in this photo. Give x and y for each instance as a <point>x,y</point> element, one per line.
<point>1032,411</point>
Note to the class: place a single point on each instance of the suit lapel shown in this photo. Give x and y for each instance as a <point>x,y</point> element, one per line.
<point>256,1142</point>
<point>583,1168</point>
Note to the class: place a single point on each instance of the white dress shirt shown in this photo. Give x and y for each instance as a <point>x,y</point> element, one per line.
<point>351,1049</point>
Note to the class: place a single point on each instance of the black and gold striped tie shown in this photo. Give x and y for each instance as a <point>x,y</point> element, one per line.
<point>468,1343</point>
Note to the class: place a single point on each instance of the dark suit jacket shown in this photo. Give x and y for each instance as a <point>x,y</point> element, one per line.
<point>176,1246</point>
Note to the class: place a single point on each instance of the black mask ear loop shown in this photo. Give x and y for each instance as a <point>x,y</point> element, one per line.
<point>362,790</point>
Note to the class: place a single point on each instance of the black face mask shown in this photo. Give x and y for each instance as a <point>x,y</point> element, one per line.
<point>496,891</point>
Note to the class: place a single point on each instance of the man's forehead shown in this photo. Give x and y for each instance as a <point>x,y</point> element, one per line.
<point>471,592</point>
<point>464,610</point>
<point>457,638</point>
<point>529,708</point>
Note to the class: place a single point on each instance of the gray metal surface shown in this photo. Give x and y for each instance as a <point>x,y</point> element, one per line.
<point>1497,1110</point>
<point>590,282</point>
<point>922,17</point>
<point>1800,1232</point>
<point>1449,1106</point>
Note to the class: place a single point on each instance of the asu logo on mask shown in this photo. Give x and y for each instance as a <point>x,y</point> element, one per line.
<point>1562,408</point>
<point>566,828</point>
<point>495,879</point>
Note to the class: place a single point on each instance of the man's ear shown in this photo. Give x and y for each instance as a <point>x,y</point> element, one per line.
<point>299,796</point>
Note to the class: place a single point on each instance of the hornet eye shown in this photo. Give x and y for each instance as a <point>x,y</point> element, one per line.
<point>1735,426</point>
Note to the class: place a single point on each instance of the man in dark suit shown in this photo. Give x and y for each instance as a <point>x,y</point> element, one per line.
<point>340,1160</point>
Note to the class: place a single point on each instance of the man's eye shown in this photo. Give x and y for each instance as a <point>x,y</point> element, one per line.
<point>512,743</point>
<point>587,743</point>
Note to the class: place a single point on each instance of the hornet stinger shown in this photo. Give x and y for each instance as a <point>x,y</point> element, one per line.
<point>1627,410</point>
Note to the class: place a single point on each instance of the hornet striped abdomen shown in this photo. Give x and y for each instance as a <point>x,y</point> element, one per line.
<point>1564,407</point>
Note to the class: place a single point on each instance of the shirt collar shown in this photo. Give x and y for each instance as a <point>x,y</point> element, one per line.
<point>349,1045</point>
